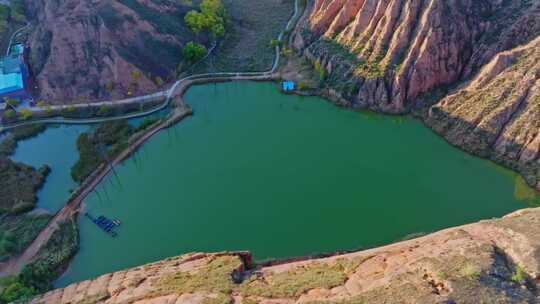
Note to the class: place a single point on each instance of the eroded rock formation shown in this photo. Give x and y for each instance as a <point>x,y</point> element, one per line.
<point>495,261</point>
<point>104,49</point>
<point>397,55</point>
<point>497,114</point>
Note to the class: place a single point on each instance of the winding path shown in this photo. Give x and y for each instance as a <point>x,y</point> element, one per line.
<point>15,264</point>
<point>168,94</point>
<point>13,37</point>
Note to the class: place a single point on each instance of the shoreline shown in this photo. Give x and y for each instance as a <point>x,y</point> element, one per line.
<point>173,98</point>
<point>441,261</point>
<point>334,98</point>
<point>177,114</point>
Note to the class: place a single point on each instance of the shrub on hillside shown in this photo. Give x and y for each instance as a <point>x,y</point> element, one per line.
<point>194,52</point>
<point>211,17</point>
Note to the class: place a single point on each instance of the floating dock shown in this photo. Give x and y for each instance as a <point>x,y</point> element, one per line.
<point>104,223</point>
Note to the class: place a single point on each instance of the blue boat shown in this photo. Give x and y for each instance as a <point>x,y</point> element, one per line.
<point>104,223</point>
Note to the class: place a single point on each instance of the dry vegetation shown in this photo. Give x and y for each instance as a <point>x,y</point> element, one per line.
<point>246,46</point>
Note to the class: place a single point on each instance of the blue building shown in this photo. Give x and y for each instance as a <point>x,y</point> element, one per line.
<point>13,75</point>
<point>288,85</point>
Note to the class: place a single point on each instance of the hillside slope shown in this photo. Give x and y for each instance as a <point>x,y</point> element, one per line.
<point>90,50</point>
<point>398,55</point>
<point>497,114</point>
<point>494,261</point>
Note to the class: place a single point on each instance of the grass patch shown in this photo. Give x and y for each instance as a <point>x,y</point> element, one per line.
<point>215,276</point>
<point>249,301</point>
<point>293,283</point>
<point>17,232</point>
<point>247,42</point>
<point>221,298</point>
<point>519,275</point>
<point>470,271</point>
<point>37,277</point>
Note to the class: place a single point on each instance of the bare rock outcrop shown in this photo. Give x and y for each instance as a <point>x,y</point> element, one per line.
<point>104,49</point>
<point>397,50</point>
<point>398,55</point>
<point>497,114</point>
<point>495,261</point>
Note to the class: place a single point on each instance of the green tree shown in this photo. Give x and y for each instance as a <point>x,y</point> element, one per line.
<point>275,42</point>
<point>16,291</point>
<point>213,7</point>
<point>196,21</point>
<point>218,29</point>
<point>26,114</point>
<point>211,17</point>
<point>12,102</point>
<point>193,51</point>
<point>7,243</point>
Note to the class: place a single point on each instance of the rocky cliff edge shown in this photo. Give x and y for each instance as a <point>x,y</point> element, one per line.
<point>493,261</point>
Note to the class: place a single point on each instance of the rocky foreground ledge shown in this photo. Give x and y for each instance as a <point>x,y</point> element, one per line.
<point>493,261</point>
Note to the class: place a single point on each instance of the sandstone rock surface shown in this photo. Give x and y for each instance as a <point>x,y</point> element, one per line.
<point>494,261</point>
<point>475,62</point>
<point>104,49</point>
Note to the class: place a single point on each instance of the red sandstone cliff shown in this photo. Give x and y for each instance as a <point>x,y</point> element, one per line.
<point>89,50</point>
<point>397,55</point>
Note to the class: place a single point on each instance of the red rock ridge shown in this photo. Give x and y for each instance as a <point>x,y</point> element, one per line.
<point>418,45</point>
<point>104,49</point>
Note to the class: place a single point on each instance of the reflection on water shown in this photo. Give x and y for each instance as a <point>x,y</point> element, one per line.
<point>523,192</point>
<point>57,148</point>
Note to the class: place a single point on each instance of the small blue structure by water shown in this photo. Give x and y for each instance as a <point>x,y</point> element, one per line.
<point>104,223</point>
<point>288,85</point>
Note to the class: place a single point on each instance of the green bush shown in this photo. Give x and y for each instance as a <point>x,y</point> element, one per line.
<point>211,17</point>
<point>320,70</point>
<point>302,85</point>
<point>37,277</point>
<point>107,140</point>
<point>16,291</point>
<point>519,275</point>
<point>104,110</point>
<point>8,243</point>
<point>12,102</point>
<point>275,42</point>
<point>147,122</point>
<point>7,146</point>
<point>17,232</point>
<point>25,132</point>
<point>26,114</point>
<point>194,52</point>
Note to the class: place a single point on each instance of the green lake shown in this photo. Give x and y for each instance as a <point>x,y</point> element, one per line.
<point>56,147</point>
<point>282,176</point>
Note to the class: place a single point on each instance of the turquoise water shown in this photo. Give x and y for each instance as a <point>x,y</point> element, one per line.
<point>57,148</point>
<point>283,176</point>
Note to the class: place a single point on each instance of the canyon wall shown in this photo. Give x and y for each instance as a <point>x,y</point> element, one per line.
<point>396,56</point>
<point>495,261</point>
<point>104,49</point>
